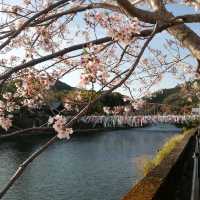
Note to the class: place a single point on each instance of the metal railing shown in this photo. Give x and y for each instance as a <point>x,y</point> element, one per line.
<point>195,179</point>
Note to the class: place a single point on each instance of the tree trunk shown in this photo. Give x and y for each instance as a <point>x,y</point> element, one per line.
<point>187,37</point>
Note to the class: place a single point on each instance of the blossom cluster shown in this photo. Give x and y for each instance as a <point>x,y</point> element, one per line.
<point>132,106</point>
<point>32,86</point>
<point>7,106</point>
<point>72,100</point>
<point>117,110</point>
<point>195,4</point>
<point>118,26</point>
<point>93,70</point>
<point>59,125</point>
<point>5,122</point>
<point>31,89</point>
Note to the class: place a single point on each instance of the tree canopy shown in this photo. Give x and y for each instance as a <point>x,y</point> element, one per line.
<point>108,44</point>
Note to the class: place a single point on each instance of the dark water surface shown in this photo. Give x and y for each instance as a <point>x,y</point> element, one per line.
<point>99,166</point>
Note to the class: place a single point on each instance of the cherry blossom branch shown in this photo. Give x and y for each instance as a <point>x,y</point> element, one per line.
<point>7,74</point>
<point>152,17</point>
<point>143,33</point>
<point>23,166</point>
<point>184,18</point>
<point>143,15</point>
<point>194,18</point>
<point>181,32</point>
<point>45,11</point>
<point>77,9</point>
<point>26,131</point>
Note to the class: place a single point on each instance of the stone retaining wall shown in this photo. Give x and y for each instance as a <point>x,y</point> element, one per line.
<point>171,179</point>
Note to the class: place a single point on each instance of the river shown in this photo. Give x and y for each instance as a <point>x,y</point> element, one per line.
<point>95,166</point>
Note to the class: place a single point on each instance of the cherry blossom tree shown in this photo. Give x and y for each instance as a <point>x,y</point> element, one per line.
<point>106,42</point>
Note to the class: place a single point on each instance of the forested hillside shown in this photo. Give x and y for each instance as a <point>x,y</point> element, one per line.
<point>180,98</point>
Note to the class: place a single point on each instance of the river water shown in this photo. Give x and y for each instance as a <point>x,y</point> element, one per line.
<point>95,166</point>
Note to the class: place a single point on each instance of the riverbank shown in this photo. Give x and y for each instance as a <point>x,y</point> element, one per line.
<point>172,178</point>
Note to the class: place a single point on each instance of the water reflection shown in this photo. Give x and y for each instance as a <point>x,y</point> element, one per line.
<point>98,166</point>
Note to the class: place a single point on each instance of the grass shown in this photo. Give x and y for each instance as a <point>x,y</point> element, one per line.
<point>168,146</point>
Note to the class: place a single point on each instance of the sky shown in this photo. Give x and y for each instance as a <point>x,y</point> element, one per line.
<point>168,81</point>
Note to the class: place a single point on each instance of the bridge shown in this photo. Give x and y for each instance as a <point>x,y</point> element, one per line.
<point>122,121</point>
<point>139,114</point>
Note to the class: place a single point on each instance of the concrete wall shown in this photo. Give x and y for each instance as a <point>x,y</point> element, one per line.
<point>171,179</point>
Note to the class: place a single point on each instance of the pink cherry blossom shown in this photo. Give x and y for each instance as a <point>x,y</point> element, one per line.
<point>5,122</point>
<point>59,123</point>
